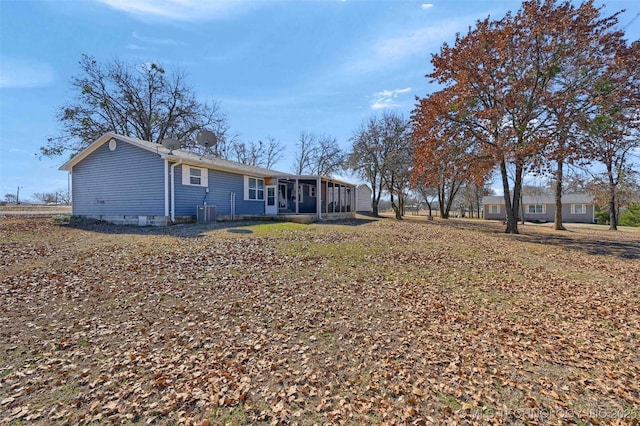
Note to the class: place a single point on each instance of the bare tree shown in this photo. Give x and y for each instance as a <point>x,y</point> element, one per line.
<point>395,131</point>
<point>304,153</point>
<point>366,158</point>
<point>327,157</point>
<point>140,101</point>
<point>381,153</point>
<point>429,195</point>
<point>317,155</point>
<point>471,195</point>
<point>262,153</point>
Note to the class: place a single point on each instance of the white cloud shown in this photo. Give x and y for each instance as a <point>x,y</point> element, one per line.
<point>178,10</point>
<point>134,47</point>
<point>156,41</point>
<point>387,52</point>
<point>426,6</point>
<point>387,98</point>
<point>24,73</point>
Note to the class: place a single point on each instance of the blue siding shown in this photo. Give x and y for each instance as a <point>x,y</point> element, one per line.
<point>221,185</point>
<point>309,203</point>
<point>127,181</point>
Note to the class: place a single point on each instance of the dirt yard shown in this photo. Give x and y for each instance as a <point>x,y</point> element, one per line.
<point>359,322</point>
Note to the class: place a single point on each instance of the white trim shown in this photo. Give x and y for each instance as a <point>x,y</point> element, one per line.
<point>297,185</point>
<point>166,187</point>
<point>319,197</point>
<point>177,155</point>
<point>246,188</point>
<point>583,208</point>
<point>186,176</point>
<point>271,209</point>
<point>528,210</point>
<point>173,191</point>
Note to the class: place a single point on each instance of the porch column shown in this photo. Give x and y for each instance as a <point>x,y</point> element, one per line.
<point>297,190</point>
<point>328,196</point>
<point>333,197</point>
<point>354,200</point>
<point>319,197</point>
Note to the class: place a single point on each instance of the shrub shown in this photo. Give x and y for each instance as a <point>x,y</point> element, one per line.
<point>631,215</point>
<point>602,215</point>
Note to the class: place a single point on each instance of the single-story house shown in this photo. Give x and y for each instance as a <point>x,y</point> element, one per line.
<point>364,199</point>
<point>125,180</point>
<point>576,208</point>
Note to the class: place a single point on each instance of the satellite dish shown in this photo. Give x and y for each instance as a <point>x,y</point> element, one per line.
<point>171,144</point>
<point>207,138</point>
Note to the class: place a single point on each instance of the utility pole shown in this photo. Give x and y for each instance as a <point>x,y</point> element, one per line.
<point>18,196</point>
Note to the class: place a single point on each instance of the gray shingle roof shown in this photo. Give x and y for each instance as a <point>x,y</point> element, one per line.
<point>580,198</point>
<point>178,154</point>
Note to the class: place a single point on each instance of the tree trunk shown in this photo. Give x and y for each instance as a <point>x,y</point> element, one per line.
<point>430,217</point>
<point>557,219</point>
<point>375,202</point>
<point>444,212</point>
<point>396,207</point>
<point>511,209</point>
<point>613,212</point>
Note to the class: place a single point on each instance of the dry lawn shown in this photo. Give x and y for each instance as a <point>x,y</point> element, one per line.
<point>360,322</point>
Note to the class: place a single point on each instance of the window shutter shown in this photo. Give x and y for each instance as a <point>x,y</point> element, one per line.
<point>205,178</point>
<point>185,174</point>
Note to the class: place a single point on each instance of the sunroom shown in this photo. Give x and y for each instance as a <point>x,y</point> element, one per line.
<point>322,197</point>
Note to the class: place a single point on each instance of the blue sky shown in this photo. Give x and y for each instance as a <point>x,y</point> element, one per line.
<point>276,68</point>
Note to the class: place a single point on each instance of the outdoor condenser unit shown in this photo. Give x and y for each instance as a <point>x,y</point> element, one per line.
<point>206,213</point>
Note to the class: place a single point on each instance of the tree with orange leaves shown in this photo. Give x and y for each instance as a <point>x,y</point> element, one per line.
<point>500,82</point>
<point>445,156</point>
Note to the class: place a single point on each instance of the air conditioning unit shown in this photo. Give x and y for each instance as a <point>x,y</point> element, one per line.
<point>206,213</point>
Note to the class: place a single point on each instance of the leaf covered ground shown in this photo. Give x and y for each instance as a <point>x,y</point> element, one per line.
<point>359,322</point>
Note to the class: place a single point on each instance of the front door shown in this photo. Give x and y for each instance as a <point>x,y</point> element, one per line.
<point>271,206</point>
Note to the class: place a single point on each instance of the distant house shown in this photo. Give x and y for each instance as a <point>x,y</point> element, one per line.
<point>364,199</point>
<point>576,208</point>
<point>124,180</point>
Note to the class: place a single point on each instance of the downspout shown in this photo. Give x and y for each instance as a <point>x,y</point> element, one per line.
<point>166,187</point>
<point>173,190</point>
<point>319,198</point>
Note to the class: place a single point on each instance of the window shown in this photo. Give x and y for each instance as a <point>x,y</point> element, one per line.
<point>578,209</point>
<point>312,191</point>
<point>253,188</point>
<point>536,209</point>
<point>494,209</point>
<point>194,176</point>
